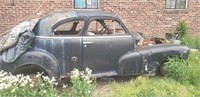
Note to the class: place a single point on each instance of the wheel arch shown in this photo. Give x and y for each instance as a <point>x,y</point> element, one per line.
<point>39,59</point>
<point>30,69</point>
<point>161,71</point>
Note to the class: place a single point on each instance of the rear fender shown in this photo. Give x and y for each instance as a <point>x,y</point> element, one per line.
<point>40,58</point>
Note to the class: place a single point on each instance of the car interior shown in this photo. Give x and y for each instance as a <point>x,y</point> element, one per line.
<point>96,27</point>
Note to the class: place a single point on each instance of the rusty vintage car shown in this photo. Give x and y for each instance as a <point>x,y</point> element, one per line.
<point>94,39</point>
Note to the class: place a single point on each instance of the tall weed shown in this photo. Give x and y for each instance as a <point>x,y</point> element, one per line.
<point>152,87</point>
<point>185,71</point>
<point>178,69</point>
<point>192,42</point>
<point>83,83</point>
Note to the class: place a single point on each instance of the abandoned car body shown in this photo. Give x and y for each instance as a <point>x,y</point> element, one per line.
<point>97,40</point>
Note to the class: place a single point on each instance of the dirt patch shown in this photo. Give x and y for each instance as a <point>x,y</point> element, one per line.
<point>103,88</point>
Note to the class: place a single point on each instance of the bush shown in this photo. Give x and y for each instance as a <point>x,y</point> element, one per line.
<point>178,69</point>
<point>182,34</point>
<point>83,83</point>
<point>20,86</point>
<point>43,86</point>
<point>182,29</point>
<point>192,42</point>
<point>185,71</point>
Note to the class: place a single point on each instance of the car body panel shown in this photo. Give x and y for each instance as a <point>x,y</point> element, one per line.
<point>105,55</point>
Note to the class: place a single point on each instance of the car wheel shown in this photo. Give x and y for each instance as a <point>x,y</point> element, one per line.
<point>162,70</point>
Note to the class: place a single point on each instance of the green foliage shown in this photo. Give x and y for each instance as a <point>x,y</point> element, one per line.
<point>183,71</point>
<point>182,80</point>
<point>20,86</point>
<point>182,34</point>
<point>192,42</point>
<point>178,69</point>
<point>182,28</point>
<point>43,86</point>
<point>194,61</point>
<point>83,83</point>
<point>152,87</point>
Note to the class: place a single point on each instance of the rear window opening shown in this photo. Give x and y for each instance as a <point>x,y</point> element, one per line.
<point>69,28</point>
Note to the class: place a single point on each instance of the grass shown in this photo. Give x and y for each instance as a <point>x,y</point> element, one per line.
<point>182,80</point>
<point>192,42</point>
<point>186,72</point>
<point>152,87</point>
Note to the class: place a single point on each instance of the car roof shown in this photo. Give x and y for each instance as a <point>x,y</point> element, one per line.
<point>47,22</point>
<point>81,13</point>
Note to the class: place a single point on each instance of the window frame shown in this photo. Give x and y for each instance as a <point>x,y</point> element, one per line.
<point>186,5</point>
<point>65,21</point>
<point>74,6</point>
<point>106,18</point>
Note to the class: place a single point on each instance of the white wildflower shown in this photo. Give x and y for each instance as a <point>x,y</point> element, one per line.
<point>88,71</point>
<point>22,84</point>
<point>38,75</point>
<point>89,81</point>
<point>45,91</point>
<point>42,84</point>
<point>53,79</point>
<point>64,86</point>
<point>81,73</point>
<point>75,73</point>
<point>28,78</point>
<point>31,85</point>
<point>13,90</point>
<point>46,78</point>
<point>25,81</point>
<point>1,87</point>
<point>56,84</point>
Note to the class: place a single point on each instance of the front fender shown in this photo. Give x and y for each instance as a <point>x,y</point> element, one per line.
<point>147,60</point>
<point>154,56</point>
<point>130,63</point>
<point>162,52</point>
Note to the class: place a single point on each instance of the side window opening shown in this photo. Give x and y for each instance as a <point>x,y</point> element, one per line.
<point>114,27</point>
<point>105,27</point>
<point>69,28</point>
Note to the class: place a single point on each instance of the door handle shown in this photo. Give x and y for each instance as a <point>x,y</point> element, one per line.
<point>85,42</point>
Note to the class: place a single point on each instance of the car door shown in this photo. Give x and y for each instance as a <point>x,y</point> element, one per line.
<point>96,49</point>
<point>103,45</point>
<point>68,43</point>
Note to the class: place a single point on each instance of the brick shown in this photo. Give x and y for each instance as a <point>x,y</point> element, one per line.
<point>147,16</point>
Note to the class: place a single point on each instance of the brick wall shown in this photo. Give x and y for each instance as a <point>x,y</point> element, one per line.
<point>147,16</point>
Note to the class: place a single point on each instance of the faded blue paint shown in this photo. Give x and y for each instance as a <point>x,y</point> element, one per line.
<point>80,4</point>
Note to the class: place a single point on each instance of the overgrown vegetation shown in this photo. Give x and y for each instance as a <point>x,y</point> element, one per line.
<point>20,86</point>
<point>42,86</point>
<point>182,80</point>
<point>186,72</point>
<point>192,42</point>
<point>182,30</point>
<point>151,87</point>
<point>186,39</point>
<point>83,83</point>
<point>182,33</point>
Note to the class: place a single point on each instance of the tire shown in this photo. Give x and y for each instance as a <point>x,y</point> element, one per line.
<point>162,70</point>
